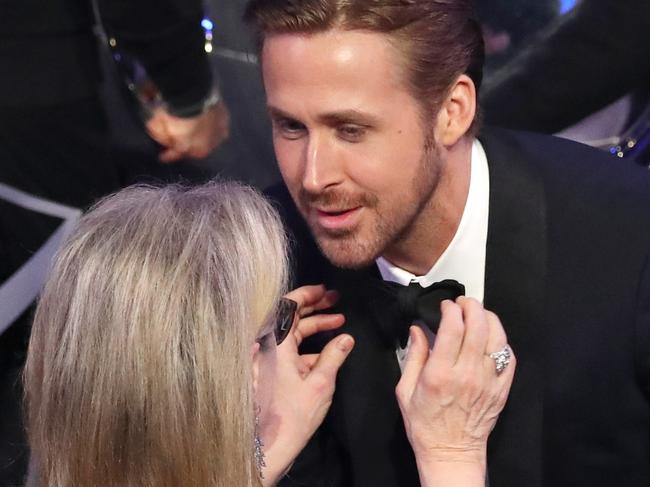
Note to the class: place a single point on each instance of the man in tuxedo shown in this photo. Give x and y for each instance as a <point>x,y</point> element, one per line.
<point>373,105</point>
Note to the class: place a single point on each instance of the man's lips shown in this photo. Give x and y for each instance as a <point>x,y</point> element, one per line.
<point>337,219</point>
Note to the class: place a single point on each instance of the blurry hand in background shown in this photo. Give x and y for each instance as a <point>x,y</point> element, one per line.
<point>192,137</point>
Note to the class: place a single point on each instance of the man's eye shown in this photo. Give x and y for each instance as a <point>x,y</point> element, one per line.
<point>351,133</point>
<point>289,128</point>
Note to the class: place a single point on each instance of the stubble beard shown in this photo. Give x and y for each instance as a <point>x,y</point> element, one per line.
<point>361,246</point>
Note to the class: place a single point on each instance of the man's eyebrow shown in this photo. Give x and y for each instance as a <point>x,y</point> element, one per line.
<point>333,118</point>
<point>349,116</point>
<point>275,112</point>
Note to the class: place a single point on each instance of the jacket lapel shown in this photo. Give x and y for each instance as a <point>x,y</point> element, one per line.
<point>515,291</point>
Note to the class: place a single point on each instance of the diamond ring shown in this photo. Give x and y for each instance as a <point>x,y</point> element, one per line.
<point>501,359</point>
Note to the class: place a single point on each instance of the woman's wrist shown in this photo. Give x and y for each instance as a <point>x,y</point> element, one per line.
<point>473,454</point>
<point>277,464</point>
<point>451,471</point>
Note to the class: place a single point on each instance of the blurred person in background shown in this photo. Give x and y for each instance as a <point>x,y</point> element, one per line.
<point>163,353</point>
<point>587,59</point>
<point>508,25</point>
<point>55,145</point>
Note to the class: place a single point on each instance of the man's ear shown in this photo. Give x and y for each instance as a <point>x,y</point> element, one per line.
<point>457,112</point>
<point>255,355</point>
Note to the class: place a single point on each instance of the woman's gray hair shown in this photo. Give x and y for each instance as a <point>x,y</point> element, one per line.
<point>139,366</point>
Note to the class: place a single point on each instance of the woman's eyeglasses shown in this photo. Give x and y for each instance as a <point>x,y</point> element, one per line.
<point>286,316</point>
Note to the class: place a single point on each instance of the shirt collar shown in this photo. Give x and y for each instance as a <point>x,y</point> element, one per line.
<point>464,257</point>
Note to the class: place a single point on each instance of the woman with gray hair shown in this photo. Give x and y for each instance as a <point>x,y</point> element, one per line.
<point>153,345</point>
<point>164,353</point>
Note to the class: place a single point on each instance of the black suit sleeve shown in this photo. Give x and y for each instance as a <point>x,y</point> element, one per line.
<point>167,38</point>
<point>591,57</point>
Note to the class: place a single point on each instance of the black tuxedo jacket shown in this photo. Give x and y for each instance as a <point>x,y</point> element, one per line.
<point>567,273</point>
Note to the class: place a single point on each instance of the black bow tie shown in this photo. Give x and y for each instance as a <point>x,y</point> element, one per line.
<point>397,307</point>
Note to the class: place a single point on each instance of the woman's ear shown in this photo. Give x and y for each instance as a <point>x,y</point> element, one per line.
<point>457,112</point>
<point>255,356</point>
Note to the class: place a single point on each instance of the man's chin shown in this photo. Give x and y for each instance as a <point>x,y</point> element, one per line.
<point>346,253</point>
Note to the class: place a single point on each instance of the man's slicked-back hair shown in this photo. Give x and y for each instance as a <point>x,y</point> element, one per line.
<point>438,39</point>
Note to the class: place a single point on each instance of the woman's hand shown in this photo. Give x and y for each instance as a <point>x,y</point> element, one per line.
<point>451,396</point>
<point>304,383</point>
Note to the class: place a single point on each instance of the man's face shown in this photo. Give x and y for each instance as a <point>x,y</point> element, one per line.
<point>350,140</point>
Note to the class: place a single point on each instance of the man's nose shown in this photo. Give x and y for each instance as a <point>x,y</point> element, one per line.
<point>322,167</point>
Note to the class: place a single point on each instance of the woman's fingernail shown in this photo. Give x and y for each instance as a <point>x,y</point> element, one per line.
<point>333,294</point>
<point>345,343</point>
<point>412,332</point>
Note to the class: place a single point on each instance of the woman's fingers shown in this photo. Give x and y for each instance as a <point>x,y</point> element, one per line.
<point>323,373</point>
<point>307,295</point>
<point>311,325</point>
<point>497,336</point>
<point>328,300</point>
<point>476,333</point>
<point>449,338</point>
<point>496,343</point>
<point>325,301</point>
<point>310,299</point>
<point>313,298</point>
<point>309,360</point>
<point>415,359</point>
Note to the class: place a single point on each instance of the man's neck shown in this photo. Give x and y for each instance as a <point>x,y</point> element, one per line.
<point>435,226</point>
